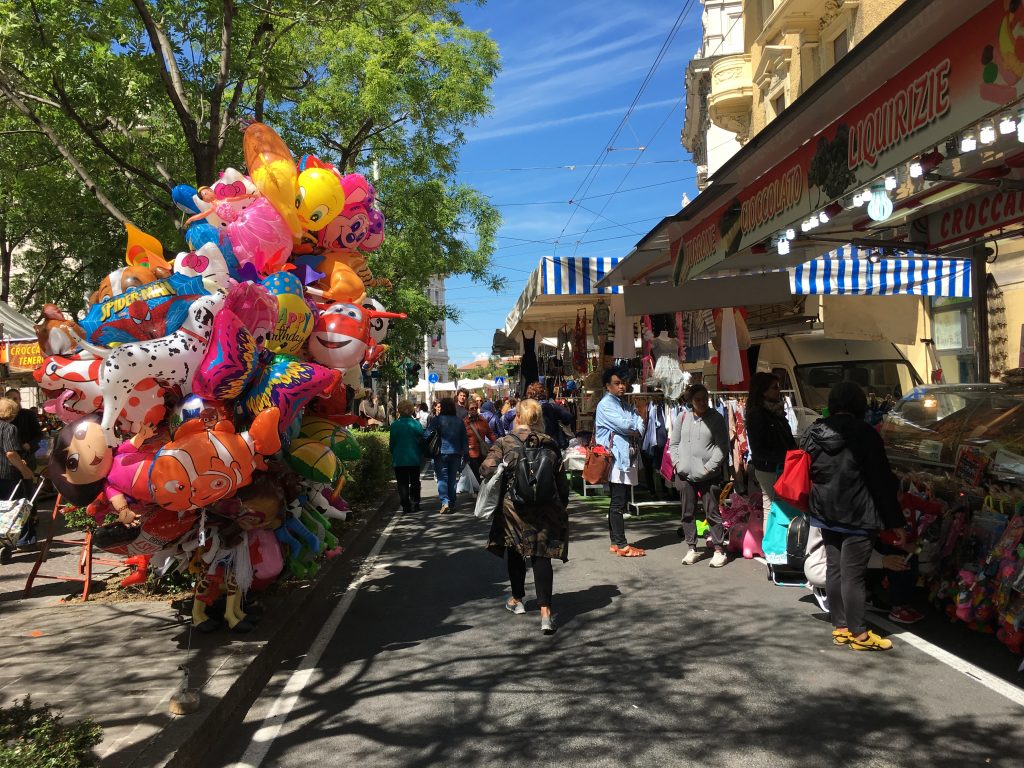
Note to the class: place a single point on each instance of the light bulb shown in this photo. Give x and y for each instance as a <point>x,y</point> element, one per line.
<point>783,246</point>
<point>968,143</point>
<point>862,197</point>
<point>987,134</point>
<point>823,217</point>
<point>890,183</point>
<point>880,207</point>
<point>916,170</point>
<point>791,234</point>
<point>1007,125</point>
<point>806,226</point>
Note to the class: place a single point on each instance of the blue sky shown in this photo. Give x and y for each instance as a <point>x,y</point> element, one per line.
<point>570,70</point>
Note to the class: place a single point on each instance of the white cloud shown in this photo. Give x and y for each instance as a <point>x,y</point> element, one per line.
<point>539,125</point>
<point>480,356</point>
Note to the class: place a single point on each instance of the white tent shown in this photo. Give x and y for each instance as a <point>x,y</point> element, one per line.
<point>423,387</point>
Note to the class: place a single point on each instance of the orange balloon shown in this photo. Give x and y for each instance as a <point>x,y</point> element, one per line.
<point>273,171</point>
<point>342,283</point>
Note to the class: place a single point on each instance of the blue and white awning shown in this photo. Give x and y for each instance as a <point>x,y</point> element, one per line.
<point>568,276</point>
<point>848,272</point>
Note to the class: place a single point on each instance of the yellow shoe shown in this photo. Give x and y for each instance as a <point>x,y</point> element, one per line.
<point>841,636</point>
<point>871,643</point>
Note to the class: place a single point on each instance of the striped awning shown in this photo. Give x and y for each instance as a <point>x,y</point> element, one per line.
<point>568,276</point>
<point>847,271</point>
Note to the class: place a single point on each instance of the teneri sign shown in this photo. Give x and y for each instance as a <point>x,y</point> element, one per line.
<point>21,356</point>
<point>956,83</point>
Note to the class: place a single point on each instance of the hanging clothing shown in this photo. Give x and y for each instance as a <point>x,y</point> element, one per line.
<point>529,370</point>
<point>579,343</point>
<point>624,342</point>
<point>667,373</point>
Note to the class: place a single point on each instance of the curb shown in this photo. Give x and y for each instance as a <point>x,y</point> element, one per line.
<point>197,736</point>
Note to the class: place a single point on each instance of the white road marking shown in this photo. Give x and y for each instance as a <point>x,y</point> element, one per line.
<point>264,738</point>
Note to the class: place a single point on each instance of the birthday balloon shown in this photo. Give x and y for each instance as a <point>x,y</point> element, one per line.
<point>288,384</point>
<point>295,318</point>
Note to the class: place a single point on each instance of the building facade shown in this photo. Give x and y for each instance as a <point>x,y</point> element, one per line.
<point>436,345</point>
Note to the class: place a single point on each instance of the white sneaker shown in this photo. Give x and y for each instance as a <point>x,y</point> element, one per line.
<point>692,556</point>
<point>719,559</point>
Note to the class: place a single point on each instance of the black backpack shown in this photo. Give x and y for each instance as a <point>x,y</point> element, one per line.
<point>533,480</point>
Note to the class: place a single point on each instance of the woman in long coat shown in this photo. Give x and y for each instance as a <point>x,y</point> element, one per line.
<point>536,532</point>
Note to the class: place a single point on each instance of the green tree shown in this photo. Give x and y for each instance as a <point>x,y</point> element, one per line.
<point>453,373</point>
<point>120,100</point>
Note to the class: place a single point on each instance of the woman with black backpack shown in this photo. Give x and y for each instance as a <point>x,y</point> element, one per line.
<point>533,521</point>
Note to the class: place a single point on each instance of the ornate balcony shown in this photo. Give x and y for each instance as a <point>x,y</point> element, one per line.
<point>732,94</point>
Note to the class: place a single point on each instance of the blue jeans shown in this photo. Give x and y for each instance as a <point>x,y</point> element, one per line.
<point>447,469</point>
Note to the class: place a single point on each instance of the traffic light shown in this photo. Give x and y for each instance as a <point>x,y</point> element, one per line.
<point>412,374</point>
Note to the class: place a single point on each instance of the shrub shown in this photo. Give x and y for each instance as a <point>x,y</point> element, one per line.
<point>372,470</point>
<point>36,737</point>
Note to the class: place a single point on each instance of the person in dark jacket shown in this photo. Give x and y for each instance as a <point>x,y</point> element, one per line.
<point>406,455</point>
<point>489,412</point>
<point>554,415</point>
<point>454,444</point>
<point>853,497</point>
<point>768,433</point>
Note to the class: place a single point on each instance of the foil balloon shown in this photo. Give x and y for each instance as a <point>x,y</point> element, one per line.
<point>295,318</point>
<point>272,169</point>
<point>347,230</point>
<point>314,461</point>
<point>260,236</point>
<point>342,338</point>
<point>338,439</point>
<point>230,360</point>
<point>191,407</point>
<point>288,384</point>
<point>320,198</point>
<point>200,466</point>
<point>157,529</point>
<point>256,307</point>
<point>149,311</point>
<point>375,238</point>
<point>206,262</point>
<point>357,190</point>
<point>203,233</point>
<point>341,283</point>
<point>380,324</point>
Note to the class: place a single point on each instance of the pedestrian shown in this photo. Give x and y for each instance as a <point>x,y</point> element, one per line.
<point>768,433</point>
<point>520,531</point>
<point>30,433</point>
<point>479,435</point>
<point>488,411</point>
<point>699,445</point>
<point>423,414</point>
<point>554,415</point>
<point>462,403</point>
<point>13,467</point>
<point>405,441</point>
<point>448,464</point>
<point>508,414</point>
<point>618,427</point>
<point>853,497</point>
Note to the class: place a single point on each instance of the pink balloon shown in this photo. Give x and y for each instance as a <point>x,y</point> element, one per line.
<point>259,236</point>
<point>256,307</point>
<point>347,231</point>
<point>229,362</point>
<point>374,240</point>
<point>357,190</point>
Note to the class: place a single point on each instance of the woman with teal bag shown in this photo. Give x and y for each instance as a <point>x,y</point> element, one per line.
<point>406,455</point>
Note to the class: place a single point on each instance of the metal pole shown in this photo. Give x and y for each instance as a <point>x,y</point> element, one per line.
<point>979,292</point>
<point>426,365</point>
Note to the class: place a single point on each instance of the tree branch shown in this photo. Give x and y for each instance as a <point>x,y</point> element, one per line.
<point>83,174</point>
<point>353,144</point>
<point>217,120</point>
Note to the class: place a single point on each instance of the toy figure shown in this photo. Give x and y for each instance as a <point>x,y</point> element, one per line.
<point>342,337</point>
<point>54,331</point>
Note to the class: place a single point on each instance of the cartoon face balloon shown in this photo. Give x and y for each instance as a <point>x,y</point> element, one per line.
<point>339,340</point>
<point>347,231</point>
<point>320,198</point>
<point>379,326</point>
<point>375,238</point>
<point>295,318</point>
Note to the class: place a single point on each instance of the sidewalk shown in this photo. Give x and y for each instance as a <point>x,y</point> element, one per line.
<point>118,663</point>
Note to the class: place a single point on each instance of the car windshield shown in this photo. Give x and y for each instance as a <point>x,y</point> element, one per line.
<point>876,377</point>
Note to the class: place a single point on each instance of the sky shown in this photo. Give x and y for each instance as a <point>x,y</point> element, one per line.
<point>570,70</point>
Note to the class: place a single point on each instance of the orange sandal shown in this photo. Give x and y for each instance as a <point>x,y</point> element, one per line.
<point>627,551</point>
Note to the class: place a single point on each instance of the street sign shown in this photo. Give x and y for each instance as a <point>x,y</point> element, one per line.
<point>433,378</point>
<point>499,381</point>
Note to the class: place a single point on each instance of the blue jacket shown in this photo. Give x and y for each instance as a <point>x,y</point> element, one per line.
<point>493,419</point>
<point>508,420</point>
<point>614,419</point>
<point>554,415</point>
<point>453,434</point>
<point>404,442</point>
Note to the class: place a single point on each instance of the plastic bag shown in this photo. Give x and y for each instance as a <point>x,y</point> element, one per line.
<point>467,482</point>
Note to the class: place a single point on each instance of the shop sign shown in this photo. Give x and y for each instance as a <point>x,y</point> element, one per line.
<point>954,84</point>
<point>23,355</point>
<point>972,218</point>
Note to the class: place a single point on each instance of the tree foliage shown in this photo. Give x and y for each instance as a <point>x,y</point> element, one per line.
<point>105,105</point>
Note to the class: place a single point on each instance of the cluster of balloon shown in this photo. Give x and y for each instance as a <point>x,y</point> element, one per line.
<point>206,426</point>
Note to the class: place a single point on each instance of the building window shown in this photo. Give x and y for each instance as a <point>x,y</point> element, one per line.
<point>779,104</point>
<point>953,334</point>
<point>840,46</point>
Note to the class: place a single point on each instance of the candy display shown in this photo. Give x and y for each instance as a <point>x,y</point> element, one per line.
<point>201,395</point>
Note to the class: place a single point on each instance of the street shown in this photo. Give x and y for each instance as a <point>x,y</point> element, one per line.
<point>653,663</point>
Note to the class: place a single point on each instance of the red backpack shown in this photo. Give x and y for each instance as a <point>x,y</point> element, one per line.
<point>794,484</point>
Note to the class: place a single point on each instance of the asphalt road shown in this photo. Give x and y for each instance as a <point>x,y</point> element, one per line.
<point>654,663</point>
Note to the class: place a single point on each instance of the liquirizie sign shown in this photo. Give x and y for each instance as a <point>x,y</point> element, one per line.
<point>956,83</point>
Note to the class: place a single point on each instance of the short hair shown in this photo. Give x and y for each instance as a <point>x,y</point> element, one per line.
<point>8,409</point>
<point>12,391</point>
<point>536,391</point>
<point>848,397</point>
<point>615,370</point>
<point>528,412</point>
<point>696,389</point>
<point>448,406</point>
<point>462,391</point>
<point>405,408</point>
<point>422,407</point>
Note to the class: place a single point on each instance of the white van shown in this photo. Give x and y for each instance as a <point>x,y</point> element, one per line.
<point>810,364</point>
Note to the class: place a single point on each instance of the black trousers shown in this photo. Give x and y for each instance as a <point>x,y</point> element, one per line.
<point>701,497</point>
<point>846,557</point>
<point>543,576</point>
<point>408,486</point>
<point>474,466</point>
<point>616,508</point>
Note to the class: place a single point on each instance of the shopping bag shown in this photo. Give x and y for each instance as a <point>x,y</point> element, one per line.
<point>490,495</point>
<point>14,514</point>
<point>794,484</point>
<point>467,482</point>
<point>667,470</point>
<point>598,465</point>
<point>776,533</point>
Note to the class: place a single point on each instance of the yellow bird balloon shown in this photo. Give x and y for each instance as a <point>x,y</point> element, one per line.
<point>320,198</point>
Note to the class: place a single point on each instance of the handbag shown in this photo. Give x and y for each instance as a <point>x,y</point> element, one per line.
<point>491,494</point>
<point>432,443</point>
<point>794,484</point>
<point>14,514</point>
<point>598,465</point>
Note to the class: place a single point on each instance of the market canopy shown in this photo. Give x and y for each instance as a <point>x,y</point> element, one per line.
<point>556,289</point>
<point>14,324</point>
